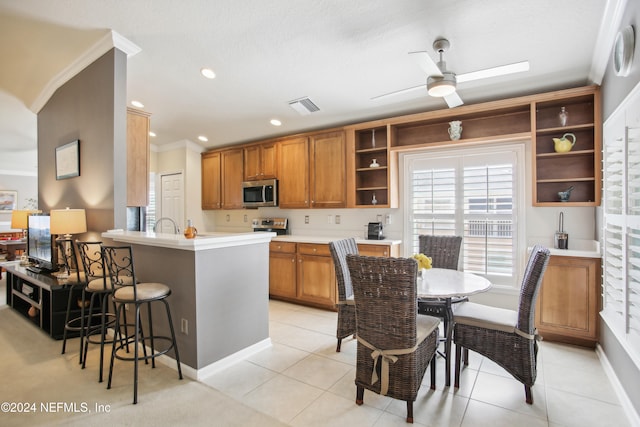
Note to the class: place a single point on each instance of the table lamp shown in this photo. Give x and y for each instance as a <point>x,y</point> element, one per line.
<point>68,221</point>
<point>20,219</point>
<point>65,222</point>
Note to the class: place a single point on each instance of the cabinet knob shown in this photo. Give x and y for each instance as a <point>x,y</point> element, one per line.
<point>314,249</point>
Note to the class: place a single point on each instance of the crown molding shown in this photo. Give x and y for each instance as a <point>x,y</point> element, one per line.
<point>185,143</point>
<point>611,20</point>
<point>109,41</point>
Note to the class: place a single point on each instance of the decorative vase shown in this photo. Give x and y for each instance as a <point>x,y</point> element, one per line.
<point>374,201</point>
<point>190,232</point>
<point>563,116</point>
<point>373,138</point>
<point>455,130</point>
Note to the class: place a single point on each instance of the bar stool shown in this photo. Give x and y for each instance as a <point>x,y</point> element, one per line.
<point>100,288</point>
<point>120,266</point>
<point>76,280</point>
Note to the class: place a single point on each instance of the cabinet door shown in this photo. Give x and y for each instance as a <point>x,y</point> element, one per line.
<point>269,160</point>
<point>211,169</point>
<point>316,280</point>
<point>137,158</point>
<point>567,306</point>
<point>232,162</point>
<point>252,163</point>
<point>293,171</point>
<point>282,274</point>
<point>328,171</point>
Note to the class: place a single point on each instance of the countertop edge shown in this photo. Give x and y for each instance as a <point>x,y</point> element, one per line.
<point>175,241</point>
<point>327,240</point>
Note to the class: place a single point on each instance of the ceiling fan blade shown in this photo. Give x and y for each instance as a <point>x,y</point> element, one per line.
<point>425,62</point>
<point>453,100</point>
<point>401,91</point>
<point>502,70</point>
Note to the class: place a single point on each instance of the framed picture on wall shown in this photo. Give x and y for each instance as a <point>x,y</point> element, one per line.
<point>68,160</point>
<point>8,200</point>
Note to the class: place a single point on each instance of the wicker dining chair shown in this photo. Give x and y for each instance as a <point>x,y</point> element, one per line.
<point>395,345</point>
<point>346,305</point>
<point>507,337</point>
<point>444,251</point>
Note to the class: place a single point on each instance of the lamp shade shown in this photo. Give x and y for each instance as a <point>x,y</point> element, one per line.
<point>20,218</point>
<point>68,221</point>
<point>441,86</point>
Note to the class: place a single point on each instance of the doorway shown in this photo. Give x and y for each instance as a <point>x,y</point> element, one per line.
<point>171,201</point>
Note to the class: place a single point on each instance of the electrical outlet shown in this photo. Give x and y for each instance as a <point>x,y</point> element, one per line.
<point>329,219</point>
<point>306,219</point>
<point>387,219</point>
<point>228,217</point>
<point>337,219</point>
<point>379,218</point>
<point>184,326</point>
<point>246,218</point>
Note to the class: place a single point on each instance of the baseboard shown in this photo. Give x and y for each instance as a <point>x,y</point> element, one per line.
<point>625,402</point>
<point>220,365</point>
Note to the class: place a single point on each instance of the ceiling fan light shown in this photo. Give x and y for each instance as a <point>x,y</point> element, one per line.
<point>441,86</point>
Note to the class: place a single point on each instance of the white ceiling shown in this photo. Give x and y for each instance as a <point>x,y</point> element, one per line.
<point>266,53</point>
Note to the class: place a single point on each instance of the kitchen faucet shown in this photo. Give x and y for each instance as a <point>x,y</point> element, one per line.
<point>176,230</point>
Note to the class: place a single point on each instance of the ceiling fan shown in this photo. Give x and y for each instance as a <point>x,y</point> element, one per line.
<point>443,83</point>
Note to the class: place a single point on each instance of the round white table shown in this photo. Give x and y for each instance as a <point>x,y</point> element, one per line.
<point>447,284</point>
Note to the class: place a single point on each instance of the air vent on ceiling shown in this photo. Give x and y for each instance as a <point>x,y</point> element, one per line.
<point>304,106</point>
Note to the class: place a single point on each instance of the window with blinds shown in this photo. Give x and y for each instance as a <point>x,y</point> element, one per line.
<point>621,234</point>
<point>472,193</point>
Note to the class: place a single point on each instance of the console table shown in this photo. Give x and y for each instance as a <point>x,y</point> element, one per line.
<point>41,298</point>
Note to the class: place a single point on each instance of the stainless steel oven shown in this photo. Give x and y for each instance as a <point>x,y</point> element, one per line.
<point>279,226</point>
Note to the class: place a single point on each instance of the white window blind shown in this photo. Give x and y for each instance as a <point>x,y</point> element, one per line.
<point>472,194</point>
<point>621,234</point>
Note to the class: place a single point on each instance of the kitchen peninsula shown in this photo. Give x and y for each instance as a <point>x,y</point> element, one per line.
<point>219,291</point>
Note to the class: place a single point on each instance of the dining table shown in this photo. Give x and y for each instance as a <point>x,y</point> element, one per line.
<point>445,285</point>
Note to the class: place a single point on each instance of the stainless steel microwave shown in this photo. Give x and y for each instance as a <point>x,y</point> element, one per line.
<point>257,194</point>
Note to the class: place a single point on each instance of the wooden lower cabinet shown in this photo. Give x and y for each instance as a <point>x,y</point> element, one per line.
<point>282,269</point>
<point>304,272</point>
<point>569,301</point>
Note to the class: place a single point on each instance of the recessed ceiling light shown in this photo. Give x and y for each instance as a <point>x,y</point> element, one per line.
<point>208,73</point>
<point>137,104</point>
<point>152,133</point>
<point>203,138</point>
<point>276,122</point>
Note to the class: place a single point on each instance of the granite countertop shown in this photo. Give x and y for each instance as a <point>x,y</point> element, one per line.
<point>327,239</point>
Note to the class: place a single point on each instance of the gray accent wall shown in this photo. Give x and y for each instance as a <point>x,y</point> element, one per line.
<point>614,91</point>
<point>90,107</point>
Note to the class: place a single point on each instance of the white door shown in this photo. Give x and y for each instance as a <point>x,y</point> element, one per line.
<point>172,190</point>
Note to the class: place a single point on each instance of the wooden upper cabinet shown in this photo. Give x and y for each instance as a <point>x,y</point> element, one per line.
<point>211,180</point>
<point>293,171</point>
<point>232,162</point>
<point>137,158</point>
<point>328,171</point>
<point>260,161</point>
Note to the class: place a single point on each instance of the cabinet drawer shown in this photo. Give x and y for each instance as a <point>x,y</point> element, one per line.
<point>314,249</point>
<point>374,250</point>
<point>285,247</point>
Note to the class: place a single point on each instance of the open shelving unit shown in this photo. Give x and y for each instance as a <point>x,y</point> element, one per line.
<point>372,182</point>
<point>579,168</point>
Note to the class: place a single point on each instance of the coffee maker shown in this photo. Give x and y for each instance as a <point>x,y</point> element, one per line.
<point>374,231</point>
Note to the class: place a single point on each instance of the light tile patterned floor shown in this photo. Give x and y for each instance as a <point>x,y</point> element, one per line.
<point>302,381</point>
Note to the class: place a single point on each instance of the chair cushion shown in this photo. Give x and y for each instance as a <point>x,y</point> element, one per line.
<point>97,285</point>
<point>425,326</point>
<point>145,291</point>
<point>484,316</point>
